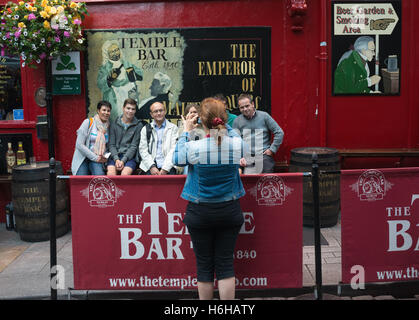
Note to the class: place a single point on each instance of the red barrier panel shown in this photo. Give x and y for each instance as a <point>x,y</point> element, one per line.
<point>128,233</point>
<point>380,225</point>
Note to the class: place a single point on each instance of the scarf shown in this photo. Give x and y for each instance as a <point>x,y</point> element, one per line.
<point>100,143</point>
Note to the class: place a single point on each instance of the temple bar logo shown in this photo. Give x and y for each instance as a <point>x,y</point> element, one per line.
<point>371,185</point>
<point>270,190</point>
<point>102,192</point>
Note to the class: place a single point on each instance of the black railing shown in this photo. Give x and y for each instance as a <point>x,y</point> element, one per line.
<point>319,289</point>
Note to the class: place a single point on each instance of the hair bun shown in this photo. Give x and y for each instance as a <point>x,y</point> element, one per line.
<point>217,121</point>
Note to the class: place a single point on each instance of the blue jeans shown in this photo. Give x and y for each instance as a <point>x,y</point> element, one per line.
<point>90,168</point>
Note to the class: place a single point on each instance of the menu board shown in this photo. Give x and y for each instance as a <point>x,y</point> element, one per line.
<point>10,87</point>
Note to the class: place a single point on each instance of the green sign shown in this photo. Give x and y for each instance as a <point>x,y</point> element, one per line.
<point>66,74</point>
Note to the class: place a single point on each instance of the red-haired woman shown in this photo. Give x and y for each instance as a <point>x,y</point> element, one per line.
<point>213,188</point>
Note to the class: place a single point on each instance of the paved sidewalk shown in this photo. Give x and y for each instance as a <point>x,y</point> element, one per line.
<point>24,266</point>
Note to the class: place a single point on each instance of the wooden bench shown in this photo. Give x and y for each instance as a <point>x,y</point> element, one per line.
<point>400,153</point>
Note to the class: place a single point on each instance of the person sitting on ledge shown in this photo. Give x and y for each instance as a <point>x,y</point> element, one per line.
<point>90,153</point>
<point>124,137</point>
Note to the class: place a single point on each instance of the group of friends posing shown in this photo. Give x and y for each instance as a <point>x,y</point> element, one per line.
<point>212,188</point>
<point>128,144</point>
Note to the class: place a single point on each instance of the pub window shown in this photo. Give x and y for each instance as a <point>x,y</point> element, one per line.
<point>10,87</point>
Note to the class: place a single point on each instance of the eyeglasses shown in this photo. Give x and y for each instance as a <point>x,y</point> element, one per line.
<point>157,111</point>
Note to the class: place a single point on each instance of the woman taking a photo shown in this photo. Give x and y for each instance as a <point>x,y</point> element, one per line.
<point>92,136</point>
<point>213,188</point>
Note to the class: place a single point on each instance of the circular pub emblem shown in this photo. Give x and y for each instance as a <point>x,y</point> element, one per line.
<point>371,185</point>
<point>270,191</point>
<point>102,192</point>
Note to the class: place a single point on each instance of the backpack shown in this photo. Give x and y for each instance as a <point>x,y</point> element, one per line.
<point>148,129</point>
<point>148,135</point>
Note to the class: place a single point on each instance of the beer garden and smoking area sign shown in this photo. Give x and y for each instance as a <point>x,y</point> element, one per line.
<point>366,48</point>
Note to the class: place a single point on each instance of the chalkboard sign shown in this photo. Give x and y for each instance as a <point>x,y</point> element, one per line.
<point>10,87</point>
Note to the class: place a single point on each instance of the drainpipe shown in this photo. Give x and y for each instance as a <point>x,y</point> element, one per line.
<point>322,57</point>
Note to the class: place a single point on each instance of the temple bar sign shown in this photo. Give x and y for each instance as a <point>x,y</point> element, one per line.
<point>366,48</point>
<point>177,67</point>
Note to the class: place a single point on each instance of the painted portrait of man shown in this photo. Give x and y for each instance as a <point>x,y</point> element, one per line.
<point>352,74</point>
<point>117,77</point>
<point>159,92</point>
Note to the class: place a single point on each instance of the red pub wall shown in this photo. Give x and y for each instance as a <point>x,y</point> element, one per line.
<point>300,75</point>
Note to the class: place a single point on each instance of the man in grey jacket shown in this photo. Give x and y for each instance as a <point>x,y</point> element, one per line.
<point>124,137</point>
<point>255,128</point>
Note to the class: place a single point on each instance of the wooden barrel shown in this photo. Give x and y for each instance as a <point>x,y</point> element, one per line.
<point>329,184</point>
<point>30,196</point>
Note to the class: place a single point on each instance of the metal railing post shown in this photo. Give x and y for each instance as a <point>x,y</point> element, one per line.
<point>317,246</point>
<point>52,223</point>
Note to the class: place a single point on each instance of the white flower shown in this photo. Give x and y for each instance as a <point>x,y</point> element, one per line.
<point>33,46</point>
<point>23,64</point>
<point>42,40</point>
<point>4,38</point>
<point>80,41</point>
<point>38,61</point>
<point>25,33</point>
<point>16,17</point>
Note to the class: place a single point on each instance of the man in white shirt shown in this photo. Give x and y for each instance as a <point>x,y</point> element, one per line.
<point>157,144</point>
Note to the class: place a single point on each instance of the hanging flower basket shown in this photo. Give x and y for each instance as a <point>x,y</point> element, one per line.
<point>41,29</point>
